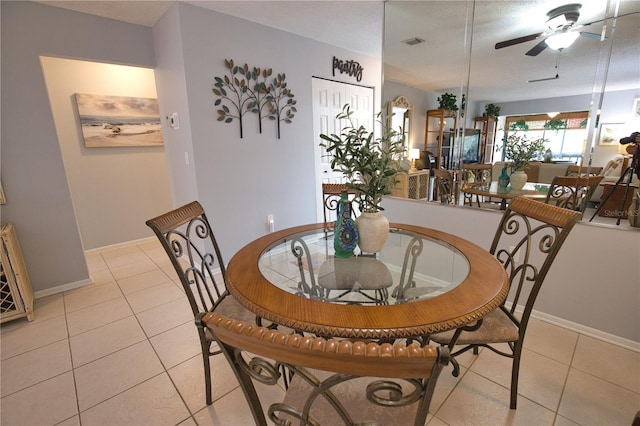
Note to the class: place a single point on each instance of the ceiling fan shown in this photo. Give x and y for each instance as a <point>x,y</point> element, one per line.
<point>562,31</point>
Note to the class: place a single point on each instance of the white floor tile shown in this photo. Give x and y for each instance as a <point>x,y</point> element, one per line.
<point>189,379</point>
<point>143,281</point>
<point>551,341</point>
<point>589,400</point>
<point>137,362</point>
<point>90,295</point>
<point>478,401</point>
<point>155,296</point>
<point>609,362</point>
<point>165,317</point>
<point>105,340</point>
<point>131,269</point>
<point>46,403</point>
<point>154,402</point>
<point>177,345</point>
<point>541,379</point>
<point>98,315</point>
<point>101,277</point>
<point>48,307</point>
<point>21,336</point>
<point>35,366</point>
<point>115,373</point>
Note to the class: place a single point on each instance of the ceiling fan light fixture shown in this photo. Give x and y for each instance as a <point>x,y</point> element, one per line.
<point>562,40</point>
<point>557,22</point>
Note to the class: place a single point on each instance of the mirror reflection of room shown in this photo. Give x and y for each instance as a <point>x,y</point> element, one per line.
<point>510,82</point>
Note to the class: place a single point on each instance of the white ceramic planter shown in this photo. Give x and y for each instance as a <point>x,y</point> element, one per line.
<point>373,230</point>
<point>518,180</point>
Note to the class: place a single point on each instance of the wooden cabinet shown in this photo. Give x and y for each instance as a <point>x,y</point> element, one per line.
<point>440,135</point>
<point>16,295</point>
<point>413,185</point>
<point>487,126</point>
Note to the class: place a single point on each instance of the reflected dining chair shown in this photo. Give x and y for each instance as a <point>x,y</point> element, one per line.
<point>331,380</point>
<point>572,192</point>
<point>444,186</point>
<point>188,240</point>
<point>480,174</point>
<point>575,170</point>
<point>526,243</point>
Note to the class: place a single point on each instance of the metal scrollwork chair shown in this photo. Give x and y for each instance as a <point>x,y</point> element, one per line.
<point>444,186</point>
<point>527,241</point>
<point>480,174</point>
<point>572,192</point>
<point>331,198</point>
<point>188,240</point>
<point>331,380</point>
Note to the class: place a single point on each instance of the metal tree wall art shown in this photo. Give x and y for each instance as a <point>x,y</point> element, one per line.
<point>282,102</point>
<point>248,90</point>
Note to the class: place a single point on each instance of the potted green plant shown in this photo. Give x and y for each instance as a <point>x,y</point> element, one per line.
<point>492,110</point>
<point>521,150</point>
<point>555,124</point>
<point>447,101</point>
<point>370,166</point>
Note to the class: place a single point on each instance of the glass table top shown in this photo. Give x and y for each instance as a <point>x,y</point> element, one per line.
<point>410,267</point>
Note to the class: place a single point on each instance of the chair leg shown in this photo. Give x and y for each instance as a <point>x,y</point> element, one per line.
<point>456,367</point>
<point>515,371</point>
<point>207,376</point>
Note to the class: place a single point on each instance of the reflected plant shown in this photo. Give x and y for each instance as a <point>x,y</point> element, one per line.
<point>521,150</point>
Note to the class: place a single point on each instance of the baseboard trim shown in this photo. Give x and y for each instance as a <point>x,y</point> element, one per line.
<point>120,245</point>
<point>588,331</point>
<point>62,288</point>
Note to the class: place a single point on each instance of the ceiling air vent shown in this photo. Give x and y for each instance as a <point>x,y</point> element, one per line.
<point>413,41</point>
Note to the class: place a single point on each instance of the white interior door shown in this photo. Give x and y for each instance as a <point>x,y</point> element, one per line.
<point>329,97</point>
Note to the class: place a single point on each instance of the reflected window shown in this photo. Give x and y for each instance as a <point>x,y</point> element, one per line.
<point>566,132</point>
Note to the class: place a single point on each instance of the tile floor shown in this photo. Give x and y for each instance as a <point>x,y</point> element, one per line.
<point>124,351</point>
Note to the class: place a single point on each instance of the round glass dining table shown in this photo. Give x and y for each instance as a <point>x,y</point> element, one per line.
<point>423,281</point>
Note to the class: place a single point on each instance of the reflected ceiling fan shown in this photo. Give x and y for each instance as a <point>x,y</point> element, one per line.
<point>562,31</point>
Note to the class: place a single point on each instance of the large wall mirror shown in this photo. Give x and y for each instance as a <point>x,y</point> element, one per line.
<point>437,47</point>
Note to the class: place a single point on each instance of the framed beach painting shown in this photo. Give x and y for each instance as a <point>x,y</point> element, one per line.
<point>118,121</point>
<point>610,133</point>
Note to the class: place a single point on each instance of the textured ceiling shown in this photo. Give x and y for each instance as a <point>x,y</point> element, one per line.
<point>441,63</point>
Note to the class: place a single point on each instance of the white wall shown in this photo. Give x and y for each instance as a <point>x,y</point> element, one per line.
<point>593,282</point>
<point>33,176</point>
<point>106,182</point>
<point>240,181</point>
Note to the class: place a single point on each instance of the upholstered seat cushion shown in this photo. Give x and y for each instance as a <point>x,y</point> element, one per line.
<point>230,307</point>
<point>496,327</point>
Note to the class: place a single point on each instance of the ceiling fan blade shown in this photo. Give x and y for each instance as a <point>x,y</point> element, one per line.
<point>590,35</point>
<point>518,40</point>
<point>535,50</point>
<point>557,76</point>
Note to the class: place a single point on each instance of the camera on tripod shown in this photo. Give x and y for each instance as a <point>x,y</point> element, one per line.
<point>633,140</point>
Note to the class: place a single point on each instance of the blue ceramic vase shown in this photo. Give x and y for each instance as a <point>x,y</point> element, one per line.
<point>345,236</point>
<point>503,180</point>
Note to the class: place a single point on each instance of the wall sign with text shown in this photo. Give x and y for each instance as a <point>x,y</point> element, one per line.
<point>350,67</point>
